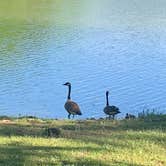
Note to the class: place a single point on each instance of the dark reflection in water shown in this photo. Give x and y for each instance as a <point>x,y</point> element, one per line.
<point>97,46</point>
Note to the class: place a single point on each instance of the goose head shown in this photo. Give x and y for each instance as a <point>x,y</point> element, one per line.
<point>67,84</point>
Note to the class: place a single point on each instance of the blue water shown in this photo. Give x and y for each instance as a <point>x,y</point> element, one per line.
<point>97,49</point>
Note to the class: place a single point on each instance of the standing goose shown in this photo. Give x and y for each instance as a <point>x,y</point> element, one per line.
<point>110,110</point>
<point>70,106</point>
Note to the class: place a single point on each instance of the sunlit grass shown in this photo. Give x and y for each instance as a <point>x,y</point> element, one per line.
<point>132,142</point>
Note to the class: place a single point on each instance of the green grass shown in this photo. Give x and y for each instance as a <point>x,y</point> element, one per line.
<point>136,142</point>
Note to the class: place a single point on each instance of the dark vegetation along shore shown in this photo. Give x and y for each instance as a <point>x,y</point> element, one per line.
<point>33,141</point>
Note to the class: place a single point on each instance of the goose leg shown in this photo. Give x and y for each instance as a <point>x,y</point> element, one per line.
<point>69,116</point>
<point>73,116</point>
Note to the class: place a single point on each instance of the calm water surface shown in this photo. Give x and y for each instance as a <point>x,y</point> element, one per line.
<point>96,45</point>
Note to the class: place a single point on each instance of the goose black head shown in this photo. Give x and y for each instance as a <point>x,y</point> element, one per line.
<point>67,84</point>
<point>107,92</point>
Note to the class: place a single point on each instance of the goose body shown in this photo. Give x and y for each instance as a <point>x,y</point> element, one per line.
<point>110,110</point>
<point>71,107</point>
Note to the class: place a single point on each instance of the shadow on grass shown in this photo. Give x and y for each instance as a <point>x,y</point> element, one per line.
<point>28,130</point>
<point>124,163</point>
<point>122,141</point>
<point>121,125</point>
<point>18,130</point>
<point>37,129</point>
<point>16,154</point>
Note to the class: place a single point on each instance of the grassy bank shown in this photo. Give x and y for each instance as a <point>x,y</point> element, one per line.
<point>90,142</point>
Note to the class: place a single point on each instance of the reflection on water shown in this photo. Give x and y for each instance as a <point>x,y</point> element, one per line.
<point>96,45</point>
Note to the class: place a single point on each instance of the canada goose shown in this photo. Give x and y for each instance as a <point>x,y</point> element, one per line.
<point>110,110</point>
<point>70,106</point>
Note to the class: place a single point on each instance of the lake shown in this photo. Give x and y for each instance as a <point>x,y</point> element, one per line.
<point>97,45</point>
